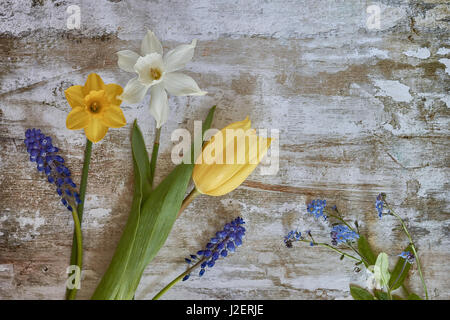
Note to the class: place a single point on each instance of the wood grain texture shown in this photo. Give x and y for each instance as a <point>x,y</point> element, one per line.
<point>360,111</point>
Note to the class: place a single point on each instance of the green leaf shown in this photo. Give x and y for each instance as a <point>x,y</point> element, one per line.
<point>413,296</point>
<point>381,270</point>
<point>400,272</point>
<point>144,236</point>
<point>366,251</point>
<point>109,285</point>
<point>360,293</point>
<point>380,295</point>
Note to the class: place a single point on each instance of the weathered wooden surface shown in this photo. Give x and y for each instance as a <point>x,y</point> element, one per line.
<point>360,111</point>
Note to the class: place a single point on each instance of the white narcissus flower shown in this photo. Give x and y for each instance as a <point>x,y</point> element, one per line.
<point>158,74</point>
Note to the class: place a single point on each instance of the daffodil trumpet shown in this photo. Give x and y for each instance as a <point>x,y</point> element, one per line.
<point>227,159</point>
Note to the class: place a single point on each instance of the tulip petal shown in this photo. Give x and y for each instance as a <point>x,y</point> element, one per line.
<point>151,44</point>
<point>95,131</point>
<point>113,91</point>
<point>127,60</point>
<point>159,107</point>
<point>177,58</point>
<point>75,96</point>
<point>179,84</point>
<point>134,91</point>
<point>77,119</point>
<point>114,118</point>
<point>256,154</point>
<point>93,82</point>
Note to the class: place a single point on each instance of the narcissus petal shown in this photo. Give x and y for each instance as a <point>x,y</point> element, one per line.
<point>96,130</point>
<point>113,117</point>
<point>77,119</point>
<point>75,96</point>
<point>134,91</point>
<point>179,84</point>
<point>159,107</point>
<point>127,59</point>
<point>151,44</point>
<point>112,92</point>
<point>93,82</point>
<point>177,58</point>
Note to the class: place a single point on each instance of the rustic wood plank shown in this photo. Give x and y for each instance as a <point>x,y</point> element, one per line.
<point>359,111</point>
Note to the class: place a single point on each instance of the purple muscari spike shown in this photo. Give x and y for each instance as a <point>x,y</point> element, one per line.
<point>226,240</point>
<point>43,153</point>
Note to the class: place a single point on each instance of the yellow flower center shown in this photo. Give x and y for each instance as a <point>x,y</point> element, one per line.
<point>155,73</point>
<point>95,107</point>
<point>96,102</point>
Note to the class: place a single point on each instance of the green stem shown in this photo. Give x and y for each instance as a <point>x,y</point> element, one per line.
<point>334,249</point>
<point>177,279</point>
<point>358,253</point>
<point>413,247</point>
<point>342,220</point>
<point>80,207</point>
<point>79,254</point>
<point>191,196</point>
<point>154,155</point>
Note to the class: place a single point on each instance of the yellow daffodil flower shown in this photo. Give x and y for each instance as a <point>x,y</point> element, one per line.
<point>95,107</point>
<point>229,158</point>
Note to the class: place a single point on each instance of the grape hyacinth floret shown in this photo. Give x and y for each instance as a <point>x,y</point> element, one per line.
<point>408,256</point>
<point>316,208</point>
<point>42,151</point>
<point>341,233</point>
<point>225,241</point>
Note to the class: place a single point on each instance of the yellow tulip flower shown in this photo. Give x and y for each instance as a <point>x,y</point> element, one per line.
<point>95,107</point>
<point>229,158</point>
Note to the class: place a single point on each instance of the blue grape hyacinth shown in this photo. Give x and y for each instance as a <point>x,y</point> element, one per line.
<point>341,233</point>
<point>316,208</point>
<point>225,241</point>
<point>44,154</point>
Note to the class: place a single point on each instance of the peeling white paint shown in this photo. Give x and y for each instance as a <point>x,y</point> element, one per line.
<point>443,51</point>
<point>447,64</point>
<point>394,89</point>
<point>375,52</point>
<point>421,53</point>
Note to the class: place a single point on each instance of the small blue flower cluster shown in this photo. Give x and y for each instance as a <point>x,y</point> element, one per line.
<point>41,151</point>
<point>341,233</point>
<point>379,204</point>
<point>316,208</point>
<point>225,241</point>
<point>408,256</point>
<point>292,236</point>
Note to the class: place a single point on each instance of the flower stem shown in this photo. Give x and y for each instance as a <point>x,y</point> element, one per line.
<point>334,249</point>
<point>80,207</point>
<point>79,254</point>
<point>342,220</point>
<point>191,196</point>
<point>154,155</point>
<point>177,279</point>
<point>413,247</point>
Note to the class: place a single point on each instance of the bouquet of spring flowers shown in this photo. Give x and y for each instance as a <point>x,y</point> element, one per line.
<point>95,107</point>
